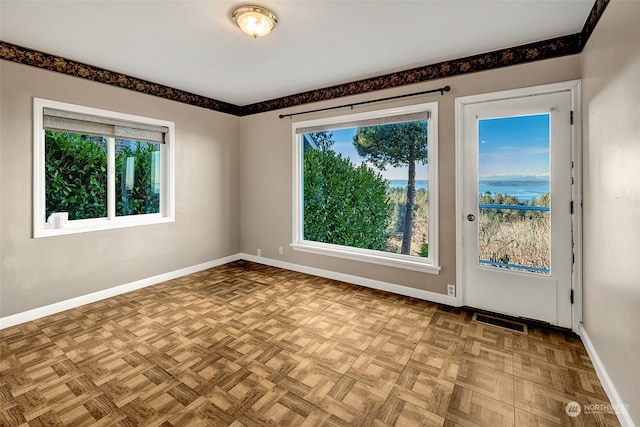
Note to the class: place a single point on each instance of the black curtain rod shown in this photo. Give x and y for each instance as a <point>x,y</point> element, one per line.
<point>442,90</point>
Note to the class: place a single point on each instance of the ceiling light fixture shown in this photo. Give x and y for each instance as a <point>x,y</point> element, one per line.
<point>256,21</point>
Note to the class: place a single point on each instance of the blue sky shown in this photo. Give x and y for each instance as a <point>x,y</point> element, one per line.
<point>508,146</point>
<point>514,146</point>
<point>344,145</point>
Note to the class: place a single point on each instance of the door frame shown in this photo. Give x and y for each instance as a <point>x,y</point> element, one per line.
<point>574,88</point>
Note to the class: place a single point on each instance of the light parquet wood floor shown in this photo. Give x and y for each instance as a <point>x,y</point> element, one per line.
<point>249,345</point>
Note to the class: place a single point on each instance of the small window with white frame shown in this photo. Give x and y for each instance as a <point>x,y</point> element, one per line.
<point>97,169</point>
<point>365,187</point>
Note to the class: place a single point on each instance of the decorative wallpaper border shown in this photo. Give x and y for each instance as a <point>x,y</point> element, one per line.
<point>590,24</point>
<point>34,58</point>
<point>562,46</point>
<point>547,49</point>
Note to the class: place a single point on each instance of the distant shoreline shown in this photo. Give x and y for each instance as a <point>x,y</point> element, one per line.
<point>514,183</point>
<point>521,188</point>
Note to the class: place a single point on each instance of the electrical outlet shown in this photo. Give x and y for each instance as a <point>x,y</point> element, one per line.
<point>259,252</point>
<point>280,250</point>
<point>451,290</point>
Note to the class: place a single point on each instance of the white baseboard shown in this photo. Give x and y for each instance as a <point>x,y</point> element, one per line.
<point>47,310</point>
<point>357,280</point>
<point>36,313</point>
<point>607,384</point>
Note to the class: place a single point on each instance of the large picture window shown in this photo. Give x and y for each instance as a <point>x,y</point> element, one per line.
<point>97,169</point>
<point>366,187</point>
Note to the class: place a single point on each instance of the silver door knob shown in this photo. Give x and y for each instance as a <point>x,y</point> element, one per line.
<point>471,217</point>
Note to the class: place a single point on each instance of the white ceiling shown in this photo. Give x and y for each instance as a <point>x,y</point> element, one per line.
<point>194,45</point>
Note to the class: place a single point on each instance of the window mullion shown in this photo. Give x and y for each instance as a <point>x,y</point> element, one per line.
<point>111,178</point>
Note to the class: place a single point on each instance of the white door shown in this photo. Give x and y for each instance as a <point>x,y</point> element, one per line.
<point>517,212</point>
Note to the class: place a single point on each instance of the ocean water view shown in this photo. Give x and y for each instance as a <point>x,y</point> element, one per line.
<point>400,183</point>
<point>523,189</point>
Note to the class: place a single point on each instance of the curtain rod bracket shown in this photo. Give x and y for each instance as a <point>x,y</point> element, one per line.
<point>442,90</point>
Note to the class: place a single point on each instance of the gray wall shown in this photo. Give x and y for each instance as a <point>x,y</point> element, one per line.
<point>611,103</point>
<point>37,272</point>
<point>266,159</point>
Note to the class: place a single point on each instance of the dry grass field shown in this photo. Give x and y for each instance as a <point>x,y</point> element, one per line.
<point>521,241</point>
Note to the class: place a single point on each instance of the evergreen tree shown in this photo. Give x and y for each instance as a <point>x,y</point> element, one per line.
<point>396,144</point>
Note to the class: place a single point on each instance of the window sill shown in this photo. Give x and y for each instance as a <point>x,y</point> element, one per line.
<point>87,226</point>
<point>389,261</point>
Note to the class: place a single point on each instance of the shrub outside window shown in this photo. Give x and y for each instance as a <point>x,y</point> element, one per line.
<point>96,169</point>
<point>365,187</point>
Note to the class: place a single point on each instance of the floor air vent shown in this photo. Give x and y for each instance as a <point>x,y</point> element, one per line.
<point>501,323</point>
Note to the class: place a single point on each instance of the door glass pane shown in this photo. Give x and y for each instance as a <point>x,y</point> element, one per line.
<point>514,224</point>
